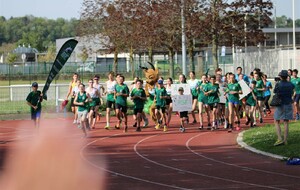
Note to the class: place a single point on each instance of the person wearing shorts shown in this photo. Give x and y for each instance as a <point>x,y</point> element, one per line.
<point>211,90</point>
<point>251,103</point>
<point>296,82</point>
<point>284,112</point>
<point>138,96</point>
<point>160,95</point>
<point>82,100</point>
<point>193,83</point>
<point>169,104</point>
<point>183,114</point>
<point>34,99</point>
<point>122,92</point>
<point>260,88</point>
<point>203,102</point>
<point>110,97</point>
<point>233,90</point>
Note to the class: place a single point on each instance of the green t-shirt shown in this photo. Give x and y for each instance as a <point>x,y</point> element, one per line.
<point>122,100</point>
<point>138,103</point>
<point>250,99</point>
<point>233,87</point>
<point>158,93</point>
<point>212,97</point>
<point>296,83</point>
<point>201,96</point>
<point>82,98</point>
<point>260,84</point>
<point>33,98</point>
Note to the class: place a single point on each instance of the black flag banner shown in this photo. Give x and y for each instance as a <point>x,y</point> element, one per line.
<point>60,60</point>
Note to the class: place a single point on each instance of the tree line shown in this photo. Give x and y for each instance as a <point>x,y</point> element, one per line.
<point>137,26</point>
<point>39,33</point>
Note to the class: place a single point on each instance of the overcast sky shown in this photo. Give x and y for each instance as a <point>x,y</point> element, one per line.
<point>71,8</point>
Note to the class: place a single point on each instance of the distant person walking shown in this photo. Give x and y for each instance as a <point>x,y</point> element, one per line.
<point>34,99</point>
<point>284,112</point>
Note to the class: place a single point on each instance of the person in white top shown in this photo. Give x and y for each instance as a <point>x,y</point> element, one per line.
<point>193,83</point>
<point>93,103</point>
<point>101,91</point>
<point>110,99</point>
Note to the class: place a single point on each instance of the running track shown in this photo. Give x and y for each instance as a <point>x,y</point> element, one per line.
<point>153,159</point>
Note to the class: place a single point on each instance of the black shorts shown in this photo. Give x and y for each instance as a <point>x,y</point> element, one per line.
<point>183,114</point>
<point>195,97</point>
<point>260,98</point>
<point>168,101</point>
<point>163,109</point>
<point>121,108</point>
<point>297,98</point>
<point>137,110</point>
<point>72,102</point>
<point>212,106</point>
<point>110,104</point>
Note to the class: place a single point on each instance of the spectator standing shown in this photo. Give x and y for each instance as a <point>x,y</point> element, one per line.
<point>284,112</point>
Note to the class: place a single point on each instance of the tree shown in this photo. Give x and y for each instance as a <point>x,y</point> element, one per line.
<point>224,22</point>
<point>11,58</point>
<point>84,55</point>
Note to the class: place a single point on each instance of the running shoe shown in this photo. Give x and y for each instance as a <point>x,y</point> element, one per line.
<point>165,128</point>
<point>297,116</point>
<point>278,143</point>
<point>138,129</point>
<point>134,125</point>
<point>107,127</point>
<point>195,121</point>
<point>146,122</point>
<point>261,120</point>
<point>157,126</point>
<point>181,129</point>
<point>201,127</point>
<point>75,121</point>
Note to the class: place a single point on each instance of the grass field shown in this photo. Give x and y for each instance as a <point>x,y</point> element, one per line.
<point>263,138</point>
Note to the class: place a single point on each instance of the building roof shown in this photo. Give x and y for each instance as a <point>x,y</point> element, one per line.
<point>280,30</point>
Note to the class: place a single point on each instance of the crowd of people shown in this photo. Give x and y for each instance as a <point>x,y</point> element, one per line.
<point>206,93</point>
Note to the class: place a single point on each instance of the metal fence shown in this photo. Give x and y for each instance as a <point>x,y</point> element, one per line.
<point>13,98</point>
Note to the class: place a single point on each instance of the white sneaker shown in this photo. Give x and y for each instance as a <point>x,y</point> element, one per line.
<point>74,122</point>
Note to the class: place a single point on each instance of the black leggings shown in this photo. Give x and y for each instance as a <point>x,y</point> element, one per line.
<point>267,102</point>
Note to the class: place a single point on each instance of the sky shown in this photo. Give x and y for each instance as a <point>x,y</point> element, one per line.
<point>68,9</point>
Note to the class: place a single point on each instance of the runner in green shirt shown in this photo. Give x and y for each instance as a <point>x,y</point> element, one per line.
<point>138,96</point>
<point>160,104</point>
<point>211,90</point>
<point>296,82</point>
<point>260,88</point>
<point>251,103</point>
<point>122,92</point>
<point>34,99</point>
<point>233,90</point>
<point>203,102</point>
<point>82,101</point>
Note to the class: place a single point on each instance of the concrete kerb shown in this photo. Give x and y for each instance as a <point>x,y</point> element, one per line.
<point>240,142</point>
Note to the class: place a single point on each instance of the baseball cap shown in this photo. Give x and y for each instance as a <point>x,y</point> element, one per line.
<point>283,73</point>
<point>34,84</point>
<point>160,82</point>
<point>180,89</point>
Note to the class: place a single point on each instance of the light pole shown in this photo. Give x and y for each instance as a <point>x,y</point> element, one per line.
<point>294,35</point>
<point>275,25</point>
<point>183,39</point>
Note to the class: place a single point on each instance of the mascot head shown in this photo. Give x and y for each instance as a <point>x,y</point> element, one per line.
<point>150,74</point>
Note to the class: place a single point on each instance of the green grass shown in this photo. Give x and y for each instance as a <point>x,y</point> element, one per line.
<point>263,138</point>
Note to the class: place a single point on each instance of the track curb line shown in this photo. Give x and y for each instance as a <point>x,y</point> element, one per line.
<point>240,142</point>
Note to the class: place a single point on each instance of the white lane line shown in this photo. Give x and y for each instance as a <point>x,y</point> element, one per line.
<point>121,174</point>
<point>195,173</point>
<point>234,165</point>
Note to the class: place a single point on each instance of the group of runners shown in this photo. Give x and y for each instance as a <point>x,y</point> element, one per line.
<point>206,94</point>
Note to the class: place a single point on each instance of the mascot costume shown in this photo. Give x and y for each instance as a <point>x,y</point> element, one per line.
<point>151,81</point>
